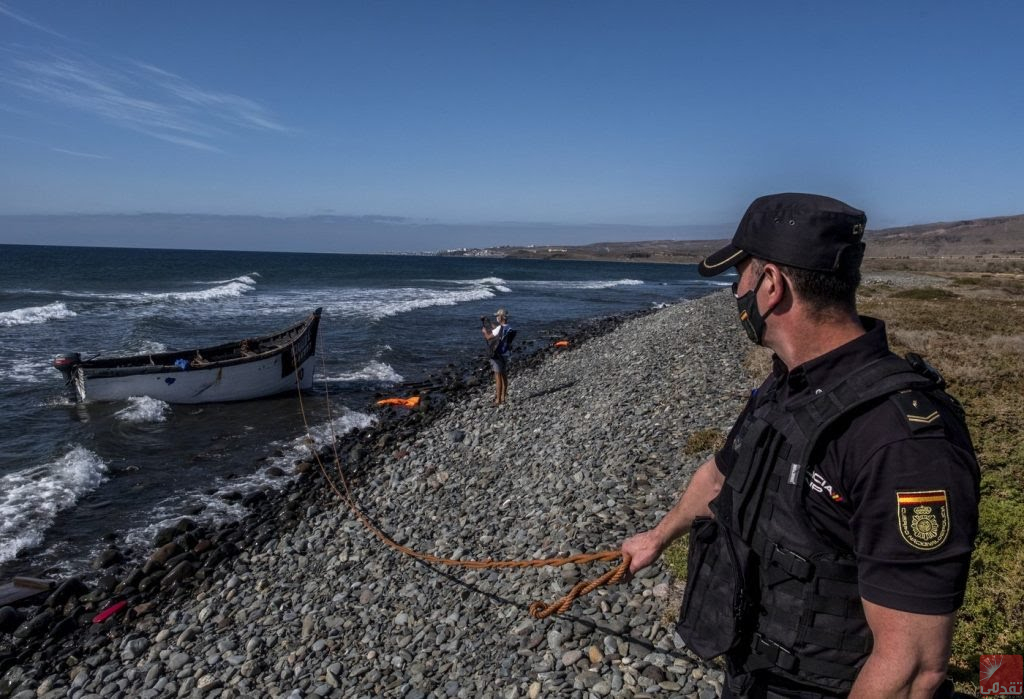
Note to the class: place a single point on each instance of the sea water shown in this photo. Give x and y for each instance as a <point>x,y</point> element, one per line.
<point>76,476</point>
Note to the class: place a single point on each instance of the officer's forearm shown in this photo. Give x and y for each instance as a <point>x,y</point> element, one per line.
<point>702,489</point>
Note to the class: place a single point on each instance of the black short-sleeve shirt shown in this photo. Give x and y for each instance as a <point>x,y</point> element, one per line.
<point>895,483</point>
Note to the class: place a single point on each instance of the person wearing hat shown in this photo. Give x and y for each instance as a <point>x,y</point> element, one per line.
<point>499,340</point>
<point>830,537</point>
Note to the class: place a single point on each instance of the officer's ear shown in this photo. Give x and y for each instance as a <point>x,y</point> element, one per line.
<point>775,285</point>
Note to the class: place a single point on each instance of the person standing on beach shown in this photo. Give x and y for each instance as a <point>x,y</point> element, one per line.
<point>830,538</point>
<point>499,341</point>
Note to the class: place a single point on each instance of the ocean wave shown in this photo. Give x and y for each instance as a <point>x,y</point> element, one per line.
<point>245,279</point>
<point>217,510</point>
<point>233,288</point>
<point>583,284</point>
<point>382,303</point>
<point>30,499</point>
<point>34,315</point>
<point>374,371</point>
<point>225,288</point>
<point>26,372</point>
<point>496,283</point>
<point>143,409</point>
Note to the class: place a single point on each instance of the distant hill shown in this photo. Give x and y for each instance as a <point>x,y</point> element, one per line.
<point>1003,235</point>
<point>992,244</point>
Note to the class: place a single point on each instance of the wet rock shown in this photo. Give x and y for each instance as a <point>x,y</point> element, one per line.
<point>254,498</point>
<point>165,536</point>
<point>36,626</point>
<point>10,619</point>
<point>108,558</point>
<point>70,588</point>
<point>166,552</point>
<point>182,571</point>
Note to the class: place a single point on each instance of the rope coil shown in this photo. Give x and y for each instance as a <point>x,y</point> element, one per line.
<point>537,609</point>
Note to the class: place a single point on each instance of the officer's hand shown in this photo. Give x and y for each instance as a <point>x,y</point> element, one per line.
<point>645,548</point>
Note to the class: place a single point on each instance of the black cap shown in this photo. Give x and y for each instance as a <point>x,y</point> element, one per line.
<point>808,231</point>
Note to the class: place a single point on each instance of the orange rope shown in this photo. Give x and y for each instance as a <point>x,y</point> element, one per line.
<point>537,609</point>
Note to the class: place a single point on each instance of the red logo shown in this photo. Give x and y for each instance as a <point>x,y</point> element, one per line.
<point>1001,675</point>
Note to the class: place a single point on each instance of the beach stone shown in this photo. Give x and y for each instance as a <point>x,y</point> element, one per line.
<point>589,449</point>
<point>70,588</point>
<point>178,661</point>
<point>10,619</point>
<point>180,572</point>
<point>165,536</point>
<point>208,682</point>
<point>653,673</point>
<point>108,558</point>
<point>166,552</point>
<point>35,626</point>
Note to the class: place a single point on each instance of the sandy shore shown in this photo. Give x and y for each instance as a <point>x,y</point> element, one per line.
<point>299,600</point>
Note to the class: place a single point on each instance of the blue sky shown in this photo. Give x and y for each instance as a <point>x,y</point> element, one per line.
<point>645,113</point>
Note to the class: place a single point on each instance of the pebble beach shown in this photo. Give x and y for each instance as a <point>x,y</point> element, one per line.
<point>300,600</point>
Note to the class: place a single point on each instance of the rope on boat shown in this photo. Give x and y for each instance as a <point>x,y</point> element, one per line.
<point>537,609</point>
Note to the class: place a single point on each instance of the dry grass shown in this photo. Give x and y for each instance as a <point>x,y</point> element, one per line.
<point>976,339</point>
<point>701,441</point>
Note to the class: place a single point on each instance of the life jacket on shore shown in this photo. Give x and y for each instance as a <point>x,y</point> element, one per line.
<point>400,402</point>
<point>561,343</point>
<point>763,585</point>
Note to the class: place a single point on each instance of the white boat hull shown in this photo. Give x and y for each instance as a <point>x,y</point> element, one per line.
<point>214,385</point>
<point>242,370</point>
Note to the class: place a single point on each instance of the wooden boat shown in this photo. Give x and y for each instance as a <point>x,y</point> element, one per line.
<point>250,368</point>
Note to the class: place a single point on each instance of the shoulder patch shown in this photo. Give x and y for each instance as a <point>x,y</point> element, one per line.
<point>923,517</point>
<point>919,410</point>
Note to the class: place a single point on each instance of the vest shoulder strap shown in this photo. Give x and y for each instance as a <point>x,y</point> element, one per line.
<point>878,379</point>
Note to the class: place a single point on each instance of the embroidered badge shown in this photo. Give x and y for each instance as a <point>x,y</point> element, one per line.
<point>923,517</point>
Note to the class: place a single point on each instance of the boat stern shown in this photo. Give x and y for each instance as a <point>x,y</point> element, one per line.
<point>69,366</point>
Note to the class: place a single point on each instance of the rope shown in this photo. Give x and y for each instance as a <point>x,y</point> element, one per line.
<point>537,609</point>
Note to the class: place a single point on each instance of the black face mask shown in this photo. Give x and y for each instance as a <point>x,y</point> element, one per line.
<point>750,316</point>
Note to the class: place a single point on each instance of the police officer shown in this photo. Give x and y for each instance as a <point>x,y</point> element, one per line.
<point>830,537</point>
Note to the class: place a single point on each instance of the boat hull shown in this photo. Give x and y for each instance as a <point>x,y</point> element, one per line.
<point>243,370</point>
<point>212,385</point>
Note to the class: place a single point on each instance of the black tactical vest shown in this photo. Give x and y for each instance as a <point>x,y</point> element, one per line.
<point>763,585</point>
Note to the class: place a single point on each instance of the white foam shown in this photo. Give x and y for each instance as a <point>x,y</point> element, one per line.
<point>324,434</point>
<point>30,499</point>
<point>584,284</point>
<point>374,371</point>
<point>25,371</point>
<point>232,289</point>
<point>217,510</point>
<point>496,283</point>
<point>143,409</point>
<point>245,279</point>
<point>33,315</point>
<point>151,347</point>
<point>382,303</point>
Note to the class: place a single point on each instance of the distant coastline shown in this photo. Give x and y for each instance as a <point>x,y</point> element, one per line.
<point>990,244</point>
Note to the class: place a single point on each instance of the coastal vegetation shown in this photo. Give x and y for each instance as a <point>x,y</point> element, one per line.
<point>972,332</point>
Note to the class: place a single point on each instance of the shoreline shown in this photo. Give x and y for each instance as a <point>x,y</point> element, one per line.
<point>588,450</point>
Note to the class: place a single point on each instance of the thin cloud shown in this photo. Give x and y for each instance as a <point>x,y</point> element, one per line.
<point>230,108</point>
<point>139,97</point>
<point>4,10</point>
<point>79,154</point>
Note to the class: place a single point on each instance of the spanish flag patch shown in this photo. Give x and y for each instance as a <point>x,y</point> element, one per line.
<point>923,517</point>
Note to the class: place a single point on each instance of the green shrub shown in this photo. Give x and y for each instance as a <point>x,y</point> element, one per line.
<point>929,294</point>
